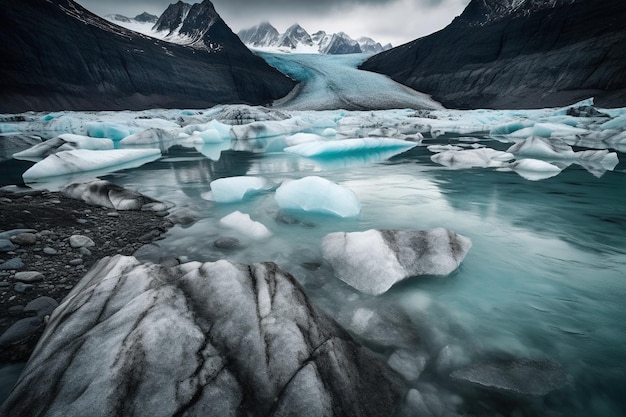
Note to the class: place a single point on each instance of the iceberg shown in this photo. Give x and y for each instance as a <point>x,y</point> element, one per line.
<point>541,148</point>
<point>472,158</point>
<point>318,195</point>
<point>82,160</point>
<point>534,169</point>
<point>153,137</point>
<point>242,223</point>
<point>106,194</point>
<point>349,146</point>
<point>235,189</point>
<point>374,260</point>
<point>65,142</point>
<point>113,131</point>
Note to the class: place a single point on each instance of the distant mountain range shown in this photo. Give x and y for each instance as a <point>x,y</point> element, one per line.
<point>59,56</point>
<point>296,38</point>
<point>518,54</point>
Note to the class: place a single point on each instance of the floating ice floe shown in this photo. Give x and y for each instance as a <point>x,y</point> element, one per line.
<point>243,224</point>
<point>349,146</point>
<point>158,138</point>
<point>82,160</point>
<point>12,143</point>
<point>541,148</point>
<point>318,195</point>
<point>472,158</point>
<point>64,142</point>
<point>533,169</point>
<point>268,129</point>
<point>301,138</point>
<point>374,260</point>
<point>235,189</point>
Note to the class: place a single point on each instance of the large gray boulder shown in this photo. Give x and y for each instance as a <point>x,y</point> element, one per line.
<point>213,339</point>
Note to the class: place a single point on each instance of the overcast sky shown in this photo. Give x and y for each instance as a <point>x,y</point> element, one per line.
<point>395,21</point>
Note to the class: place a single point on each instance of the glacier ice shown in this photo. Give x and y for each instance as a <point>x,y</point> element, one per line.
<point>243,224</point>
<point>534,169</point>
<point>318,195</point>
<point>471,158</point>
<point>83,160</point>
<point>64,142</point>
<point>539,148</point>
<point>374,260</point>
<point>106,194</point>
<point>235,189</point>
<point>349,146</point>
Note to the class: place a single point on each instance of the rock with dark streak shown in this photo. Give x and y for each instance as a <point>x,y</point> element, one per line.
<point>213,339</point>
<point>106,194</point>
<point>374,260</point>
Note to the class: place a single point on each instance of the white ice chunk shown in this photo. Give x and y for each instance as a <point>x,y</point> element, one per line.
<point>318,195</point>
<point>300,138</point>
<point>348,146</point>
<point>222,129</point>
<point>242,223</point>
<point>65,142</point>
<point>443,148</point>
<point>82,160</point>
<point>618,123</point>
<point>534,169</point>
<point>374,260</point>
<point>597,162</point>
<point>207,136</point>
<point>235,189</point>
<point>470,158</point>
<point>268,129</point>
<point>540,148</point>
<point>114,131</point>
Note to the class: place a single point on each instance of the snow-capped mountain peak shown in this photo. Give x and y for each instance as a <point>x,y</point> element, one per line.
<point>297,39</point>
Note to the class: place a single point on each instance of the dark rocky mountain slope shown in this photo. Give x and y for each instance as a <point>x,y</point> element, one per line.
<point>518,54</point>
<point>57,55</point>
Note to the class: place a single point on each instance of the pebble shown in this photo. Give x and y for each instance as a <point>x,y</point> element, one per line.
<point>50,251</point>
<point>80,241</point>
<point>29,276</point>
<point>20,331</point>
<point>5,200</point>
<point>14,232</point>
<point>24,239</point>
<point>76,262</point>
<point>6,245</point>
<point>4,284</point>
<point>113,214</point>
<point>228,243</point>
<point>82,221</point>
<point>84,251</point>
<point>11,264</point>
<point>42,306</point>
<point>21,287</point>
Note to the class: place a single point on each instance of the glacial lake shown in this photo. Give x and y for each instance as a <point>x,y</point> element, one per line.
<point>545,278</point>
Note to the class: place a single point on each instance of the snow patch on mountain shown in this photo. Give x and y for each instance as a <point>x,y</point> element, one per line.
<point>296,39</point>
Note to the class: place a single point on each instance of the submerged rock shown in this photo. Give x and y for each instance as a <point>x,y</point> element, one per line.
<point>213,339</point>
<point>519,376</point>
<point>374,260</point>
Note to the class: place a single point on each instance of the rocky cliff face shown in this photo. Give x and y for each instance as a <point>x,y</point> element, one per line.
<point>59,56</point>
<point>518,54</point>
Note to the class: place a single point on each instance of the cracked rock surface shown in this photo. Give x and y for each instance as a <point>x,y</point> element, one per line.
<point>212,339</point>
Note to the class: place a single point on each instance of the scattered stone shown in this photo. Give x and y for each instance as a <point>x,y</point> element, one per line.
<point>9,233</point>
<point>6,245</point>
<point>12,264</point>
<point>4,284</point>
<point>15,310</point>
<point>76,262</point>
<point>113,214</point>
<point>20,331</point>
<point>50,251</point>
<point>82,221</point>
<point>519,376</point>
<point>24,239</point>
<point>84,251</point>
<point>5,200</point>
<point>183,216</point>
<point>42,306</point>
<point>21,287</point>
<point>80,241</point>
<point>227,243</point>
<point>29,276</point>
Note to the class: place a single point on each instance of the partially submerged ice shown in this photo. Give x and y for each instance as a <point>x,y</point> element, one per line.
<point>83,160</point>
<point>213,339</point>
<point>235,189</point>
<point>243,224</point>
<point>349,146</point>
<point>318,195</point>
<point>374,260</point>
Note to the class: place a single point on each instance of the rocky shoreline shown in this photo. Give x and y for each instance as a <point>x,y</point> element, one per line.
<point>40,264</point>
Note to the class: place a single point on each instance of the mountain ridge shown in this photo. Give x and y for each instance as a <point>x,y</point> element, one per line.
<point>60,56</point>
<point>527,57</point>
